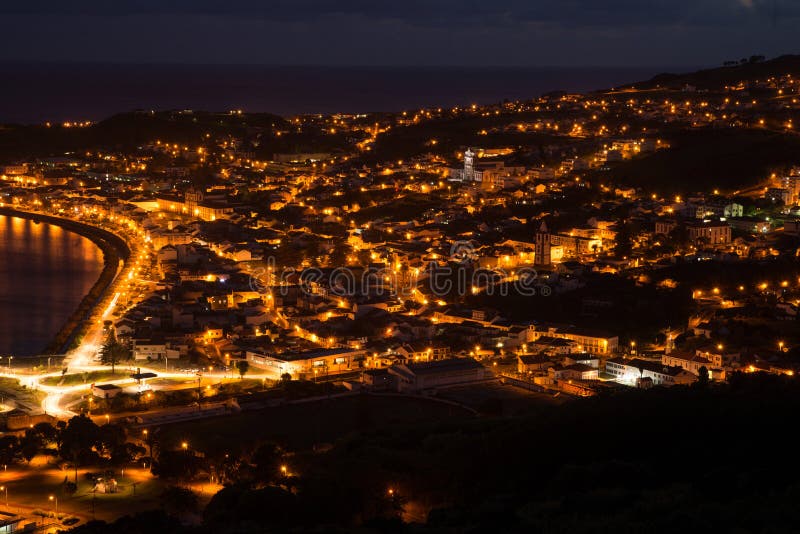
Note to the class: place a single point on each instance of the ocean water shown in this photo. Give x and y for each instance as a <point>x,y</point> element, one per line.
<point>38,92</point>
<point>45,271</point>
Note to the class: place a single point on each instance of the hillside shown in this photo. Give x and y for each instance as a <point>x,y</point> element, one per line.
<point>721,76</point>
<point>727,160</point>
<point>126,131</point>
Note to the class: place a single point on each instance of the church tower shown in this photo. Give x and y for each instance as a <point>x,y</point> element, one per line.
<point>541,248</point>
<point>469,166</point>
<point>192,198</point>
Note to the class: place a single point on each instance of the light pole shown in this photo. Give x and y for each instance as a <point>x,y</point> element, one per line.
<point>54,498</point>
<point>9,362</point>
<point>5,489</point>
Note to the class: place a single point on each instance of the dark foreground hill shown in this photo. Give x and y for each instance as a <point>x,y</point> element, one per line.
<point>717,458</point>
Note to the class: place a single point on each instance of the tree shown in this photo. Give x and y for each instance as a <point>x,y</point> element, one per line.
<point>126,453</point>
<point>112,351</point>
<point>267,461</point>
<point>30,444</point>
<point>9,449</point>
<point>178,464</point>
<point>46,432</point>
<point>111,437</point>
<point>679,236</point>
<point>624,240</point>
<point>78,439</point>
<point>703,378</point>
<point>243,366</point>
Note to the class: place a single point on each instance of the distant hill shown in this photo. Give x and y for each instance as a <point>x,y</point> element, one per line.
<point>126,131</point>
<point>726,75</point>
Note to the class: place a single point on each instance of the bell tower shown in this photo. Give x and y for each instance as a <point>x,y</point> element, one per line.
<point>469,165</point>
<point>541,250</point>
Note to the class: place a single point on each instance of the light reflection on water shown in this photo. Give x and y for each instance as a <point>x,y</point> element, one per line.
<point>45,271</point>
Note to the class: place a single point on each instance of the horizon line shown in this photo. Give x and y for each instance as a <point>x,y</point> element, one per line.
<point>344,66</point>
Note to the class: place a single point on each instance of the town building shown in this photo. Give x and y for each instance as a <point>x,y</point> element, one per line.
<point>417,377</point>
<point>307,364</point>
<point>641,373</point>
<point>709,232</point>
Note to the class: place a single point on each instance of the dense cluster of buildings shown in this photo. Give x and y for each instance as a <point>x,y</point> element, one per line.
<point>245,259</point>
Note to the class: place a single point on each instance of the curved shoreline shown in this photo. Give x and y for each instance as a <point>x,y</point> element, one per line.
<point>115,252</point>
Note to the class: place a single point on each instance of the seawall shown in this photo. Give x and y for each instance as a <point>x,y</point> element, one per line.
<point>115,253</point>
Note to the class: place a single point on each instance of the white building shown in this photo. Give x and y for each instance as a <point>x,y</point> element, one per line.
<point>637,372</point>
<point>307,364</point>
<point>469,173</point>
<point>145,349</point>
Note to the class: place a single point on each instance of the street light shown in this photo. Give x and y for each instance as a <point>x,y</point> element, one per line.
<point>54,498</point>
<point>5,489</point>
<point>184,445</point>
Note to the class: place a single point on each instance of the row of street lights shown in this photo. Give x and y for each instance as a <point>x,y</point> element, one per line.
<point>50,498</point>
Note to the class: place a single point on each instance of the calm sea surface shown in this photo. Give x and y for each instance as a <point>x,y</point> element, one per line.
<point>45,271</point>
<point>38,92</point>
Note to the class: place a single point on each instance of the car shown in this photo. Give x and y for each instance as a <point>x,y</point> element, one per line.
<point>70,521</point>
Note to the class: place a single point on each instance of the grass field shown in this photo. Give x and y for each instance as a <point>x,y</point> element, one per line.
<point>300,426</point>
<point>171,382</point>
<point>11,389</point>
<point>138,491</point>
<point>499,399</point>
<point>75,379</point>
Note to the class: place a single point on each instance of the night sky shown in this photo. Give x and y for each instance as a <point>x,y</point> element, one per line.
<point>399,32</point>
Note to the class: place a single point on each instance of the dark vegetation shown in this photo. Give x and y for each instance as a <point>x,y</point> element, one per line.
<point>728,160</point>
<point>454,133</point>
<point>301,426</point>
<point>127,131</point>
<point>607,302</point>
<point>407,207</point>
<point>711,457</point>
<point>77,442</point>
<point>124,131</point>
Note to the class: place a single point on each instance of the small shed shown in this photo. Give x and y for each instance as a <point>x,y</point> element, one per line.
<point>105,391</point>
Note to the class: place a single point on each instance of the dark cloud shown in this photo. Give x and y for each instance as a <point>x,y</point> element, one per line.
<point>521,32</point>
<point>565,13</point>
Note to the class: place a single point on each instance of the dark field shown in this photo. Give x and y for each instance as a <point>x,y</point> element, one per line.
<point>300,426</point>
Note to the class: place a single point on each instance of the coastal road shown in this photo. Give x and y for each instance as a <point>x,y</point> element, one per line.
<point>84,357</point>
